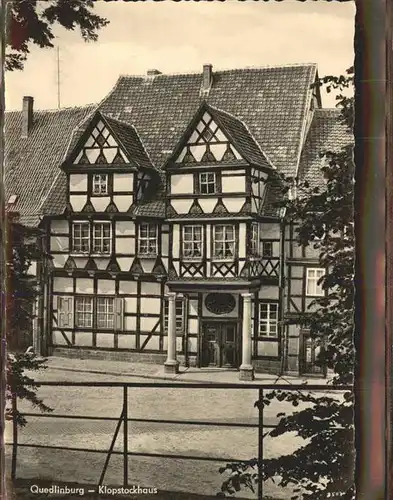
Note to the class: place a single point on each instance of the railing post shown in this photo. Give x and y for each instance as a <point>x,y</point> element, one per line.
<point>125,435</point>
<point>260,444</point>
<point>14,436</point>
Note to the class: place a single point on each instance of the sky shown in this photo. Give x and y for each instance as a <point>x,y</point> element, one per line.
<point>179,38</point>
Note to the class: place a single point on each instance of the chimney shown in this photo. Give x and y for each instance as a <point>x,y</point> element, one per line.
<point>207,79</point>
<point>153,72</point>
<point>27,115</point>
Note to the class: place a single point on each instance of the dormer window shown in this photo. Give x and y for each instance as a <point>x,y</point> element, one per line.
<point>12,199</point>
<point>208,183</point>
<point>100,184</point>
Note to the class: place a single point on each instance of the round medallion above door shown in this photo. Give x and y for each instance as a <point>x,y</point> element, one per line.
<point>220,303</point>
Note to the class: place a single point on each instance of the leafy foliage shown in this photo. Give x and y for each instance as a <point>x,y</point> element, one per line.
<point>322,216</point>
<point>32,22</point>
<point>21,292</point>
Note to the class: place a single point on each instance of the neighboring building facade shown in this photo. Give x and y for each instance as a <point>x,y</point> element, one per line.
<point>158,213</point>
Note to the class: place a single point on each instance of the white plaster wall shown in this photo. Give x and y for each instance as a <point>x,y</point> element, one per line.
<point>127,287</point>
<point>125,228</point>
<point>242,240</point>
<point>148,288</point>
<point>175,241</point>
<point>84,338</point>
<point>58,339</point>
<point>182,183</point>
<point>123,182</point>
<point>193,325</point>
<point>59,243</point>
<point>270,231</point>
<point>59,260</point>
<point>126,341</point>
<point>233,204</point>
<point>147,324</point>
<point>268,292</point>
<point>153,344</point>
<point>192,345</point>
<point>60,226</point>
<point>130,304</point>
<point>78,182</point>
<point>130,323</point>
<point>266,348</point>
<point>78,202</point>
<point>106,287</point>
<point>63,285</point>
<point>233,184</point>
<point>182,206</point>
<point>123,202</point>
<point>207,204</point>
<point>150,305</point>
<point>105,340</point>
<point>100,202</point>
<point>125,246</point>
<point>84,285</point>
<point>164,245</point>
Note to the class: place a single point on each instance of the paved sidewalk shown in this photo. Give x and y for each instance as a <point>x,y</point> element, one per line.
<point>156,372</point>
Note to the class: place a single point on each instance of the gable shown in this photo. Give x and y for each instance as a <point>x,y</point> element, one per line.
<point>100,147</point>
<point>207,143</point>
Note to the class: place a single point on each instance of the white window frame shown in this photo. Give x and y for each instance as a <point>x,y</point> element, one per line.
<point>84,309</point>
<point>224,242</point>
<point>105,313</point>
<point>268,319</point>
<point>314,274</point>
<point>208,183</point>
<point>180,315</point>
<point>148,239</point>
<point>193,243</point>
<point>100,181</point>
<point>80,238</point>
<point>101,238</point>
<point>254,240</point>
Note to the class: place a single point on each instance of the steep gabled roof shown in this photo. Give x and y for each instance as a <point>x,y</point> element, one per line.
<point>234,129</point>
<point>125,135</point>
<point>327,132</point>
<point>272,102</point>
<point>32,164</point>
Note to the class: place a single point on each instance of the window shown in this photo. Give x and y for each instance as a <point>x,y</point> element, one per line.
<point>267,249</point>
<point>105,312</point>
<point>101,237</point>
<point>100,184</point>
<point>84,312</point>
<point>80,237</point>
<point>254,240</point>
<point>207,183</point>
<point>179,315</point>
<point>312,287</point>
<point>192,242</point>
<point>268,319</point>
<point>148,239</point>
<point>224,242</point>
<point>12,199</point>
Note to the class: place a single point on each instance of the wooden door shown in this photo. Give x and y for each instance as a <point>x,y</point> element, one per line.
<point>219,344</point>
<point>229,345</point>
<point>309,351</point>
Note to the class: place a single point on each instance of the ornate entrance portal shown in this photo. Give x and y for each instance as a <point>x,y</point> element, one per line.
<point>219,345</point>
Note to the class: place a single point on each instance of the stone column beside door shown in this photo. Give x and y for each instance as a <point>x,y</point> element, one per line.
<point>246,368</point>
<point>171,364</point>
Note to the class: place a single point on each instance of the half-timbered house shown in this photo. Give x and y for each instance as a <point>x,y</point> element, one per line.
<point>161,222</point>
